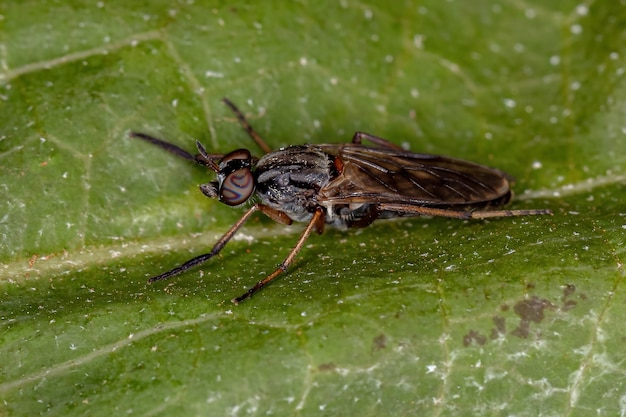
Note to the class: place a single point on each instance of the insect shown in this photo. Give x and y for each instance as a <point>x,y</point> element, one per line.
<point>343,185</point>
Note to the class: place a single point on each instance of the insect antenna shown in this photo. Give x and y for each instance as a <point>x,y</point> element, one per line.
<point>207,159</point>
<point>163,145</point>
<point>203,158</point>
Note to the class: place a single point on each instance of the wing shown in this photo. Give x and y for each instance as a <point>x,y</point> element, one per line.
<point>385,175</point>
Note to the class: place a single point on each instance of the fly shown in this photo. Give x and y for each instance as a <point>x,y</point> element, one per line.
<point>342,185</point>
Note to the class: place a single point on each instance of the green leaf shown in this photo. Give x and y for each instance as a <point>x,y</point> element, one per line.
<point>518,316</point>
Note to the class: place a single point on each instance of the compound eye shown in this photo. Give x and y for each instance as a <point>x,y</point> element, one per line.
<point>237,187</point>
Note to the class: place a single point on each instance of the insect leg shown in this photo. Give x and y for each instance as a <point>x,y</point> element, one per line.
<point>216,249</point>
<point>460,214</point>
<point>359,136</point>
<point>487,214</point>
<point>248,128</point>
<point>276,215</point>
<point>313,224</point>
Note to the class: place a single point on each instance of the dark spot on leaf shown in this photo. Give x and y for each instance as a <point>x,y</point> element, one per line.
<point>474,336</point>
<point>532,309</point>
<point>568,305</point>
<point>500,328</point>
<point>522,330</point>
<point>568,290</point>
<point>529,310</point>
<point>325,367</point>
<point>380,342</point>
<point>494,334</point>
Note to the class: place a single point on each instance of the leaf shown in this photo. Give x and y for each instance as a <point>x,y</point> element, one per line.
<point>514,316</point>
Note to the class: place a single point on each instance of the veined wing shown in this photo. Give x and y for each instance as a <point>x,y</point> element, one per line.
<point>382,175</point>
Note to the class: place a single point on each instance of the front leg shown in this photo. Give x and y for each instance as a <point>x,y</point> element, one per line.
<point>276,215</point>
<point>216,249</point>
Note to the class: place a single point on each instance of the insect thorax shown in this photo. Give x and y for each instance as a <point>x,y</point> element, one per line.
<point>290,179</point>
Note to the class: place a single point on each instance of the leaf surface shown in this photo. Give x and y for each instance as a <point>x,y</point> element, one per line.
<point>514,316</point>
